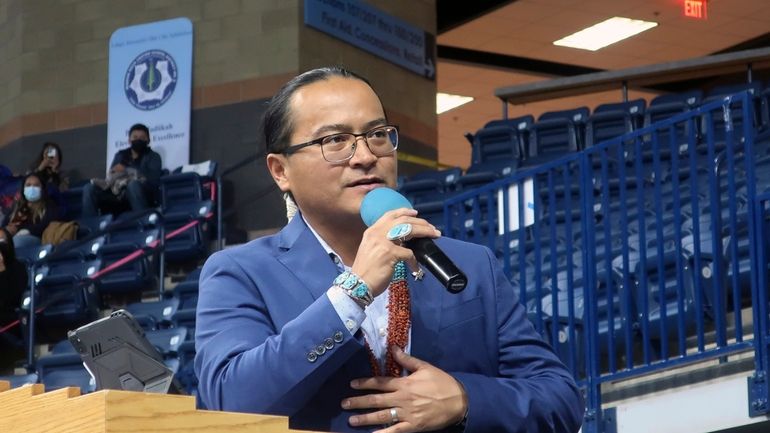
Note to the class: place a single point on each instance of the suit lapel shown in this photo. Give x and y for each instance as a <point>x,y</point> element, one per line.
<point>305,258</point>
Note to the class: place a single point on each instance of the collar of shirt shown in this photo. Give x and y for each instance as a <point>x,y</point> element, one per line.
<point>334,256</point>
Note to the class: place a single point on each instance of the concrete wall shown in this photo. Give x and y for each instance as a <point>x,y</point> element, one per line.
<point>10,53</point>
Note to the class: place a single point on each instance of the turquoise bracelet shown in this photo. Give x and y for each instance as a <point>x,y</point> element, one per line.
<point>354,287</point>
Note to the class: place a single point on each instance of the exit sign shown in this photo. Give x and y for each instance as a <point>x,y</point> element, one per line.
<point>695,9</point>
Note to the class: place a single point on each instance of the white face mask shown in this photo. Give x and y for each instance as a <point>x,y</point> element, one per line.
<point>32,193</point>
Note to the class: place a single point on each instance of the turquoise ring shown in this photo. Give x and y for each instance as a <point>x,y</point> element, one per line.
<point>399,232</point>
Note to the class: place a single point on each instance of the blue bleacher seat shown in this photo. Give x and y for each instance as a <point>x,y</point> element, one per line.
<point>613,120</point>
<point>31,255</point>
<point>63,370</point>
<point>154,314</point>
<point>93,225</point>
<point>17,380</point>
<point>187,293</point>
<point>186,184</point>
<point>186,374</point>
<point>555,134</point>
<point>717,116</point>
<point>136,274</point>
<point>64,283</point>
<point>191,243</point>
<point>665,106</point>
<point>497,142</point>
<point>186,319</point>
<point>73,202</point>
<point>167,341</point>
<point>425,186</point>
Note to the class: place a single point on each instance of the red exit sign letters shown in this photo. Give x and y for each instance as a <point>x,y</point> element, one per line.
<point>695,9</point>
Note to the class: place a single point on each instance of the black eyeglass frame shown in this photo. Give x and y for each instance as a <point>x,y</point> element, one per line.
<point>319,141</point>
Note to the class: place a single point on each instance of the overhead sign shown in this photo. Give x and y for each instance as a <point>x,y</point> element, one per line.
<point>376,32</point>
<point>150,82</point>
<point>695,9</point>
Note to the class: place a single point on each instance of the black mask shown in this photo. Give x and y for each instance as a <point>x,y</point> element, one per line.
<point>139,146</point>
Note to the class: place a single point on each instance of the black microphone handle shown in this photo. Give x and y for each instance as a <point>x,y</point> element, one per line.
<point>429,255</point>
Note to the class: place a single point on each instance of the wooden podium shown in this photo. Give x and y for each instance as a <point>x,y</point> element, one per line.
<point>31,409</point>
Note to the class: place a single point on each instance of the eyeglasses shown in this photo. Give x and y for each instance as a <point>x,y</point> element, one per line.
<point>381,141</point>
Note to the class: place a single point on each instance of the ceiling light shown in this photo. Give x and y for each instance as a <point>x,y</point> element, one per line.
<point>605,33</point>
<point>446,102</point>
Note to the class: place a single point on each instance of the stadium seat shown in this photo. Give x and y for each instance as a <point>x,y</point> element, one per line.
<point>613,120</point>
<point>503,139</point>
<point>73,202</point>
<point>427,185</point>
<point>191,243</point>
<point>64,286</point>
<point>91,225</point>
<point>186,374</point>
<point>154,315</point>
<point>167,341</point>
<point>17,380</point>
<point>187,293</point>
<point>665,106</point>
<point>186,185</point>
<point>136,274</point>
<point>717,116</point>
<point>63,370</point>
<point>555,134</point>
<point>186,319</point>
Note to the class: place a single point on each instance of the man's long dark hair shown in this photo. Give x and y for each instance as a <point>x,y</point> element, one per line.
<point>277,124</point>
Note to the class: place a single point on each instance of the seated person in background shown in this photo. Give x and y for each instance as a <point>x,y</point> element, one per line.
<point>13,279</point>
<point>13,282</point>
<point>138,193</point>
<point>47,167</point>
<point>32,212</point>
<point>9,187</point>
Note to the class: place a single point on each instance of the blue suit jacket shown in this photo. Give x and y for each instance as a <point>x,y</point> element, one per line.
<point>262,310</point>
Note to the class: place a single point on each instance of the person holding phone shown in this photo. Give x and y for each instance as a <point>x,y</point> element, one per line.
<point>47,167</point>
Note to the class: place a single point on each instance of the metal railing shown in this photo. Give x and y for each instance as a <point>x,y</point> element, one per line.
<point>633,256</point>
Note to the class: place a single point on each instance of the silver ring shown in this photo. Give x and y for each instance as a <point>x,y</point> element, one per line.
<point>393,415</point>
<point>418,274</point>
<point>399,232</point>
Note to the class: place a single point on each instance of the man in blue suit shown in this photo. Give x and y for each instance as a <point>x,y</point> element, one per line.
<point>323,322</point>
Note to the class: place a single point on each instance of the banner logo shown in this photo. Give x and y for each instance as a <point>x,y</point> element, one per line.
<point>150,80</point>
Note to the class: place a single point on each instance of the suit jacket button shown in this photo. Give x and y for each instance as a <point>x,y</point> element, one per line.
<point>311,356</point>
<point>329,344</point>
<point>320,350</point>
<point>338,337</point>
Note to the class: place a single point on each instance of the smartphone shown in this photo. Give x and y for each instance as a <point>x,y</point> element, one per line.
<point>51,153</point>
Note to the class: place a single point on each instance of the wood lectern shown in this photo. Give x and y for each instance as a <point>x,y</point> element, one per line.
<point>30,409</point>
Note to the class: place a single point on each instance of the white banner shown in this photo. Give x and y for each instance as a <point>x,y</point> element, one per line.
<point>513,207</point>
<point>150,82</point>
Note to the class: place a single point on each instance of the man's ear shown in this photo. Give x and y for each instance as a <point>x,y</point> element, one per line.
<point>277,164</point>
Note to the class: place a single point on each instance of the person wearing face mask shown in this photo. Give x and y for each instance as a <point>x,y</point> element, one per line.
<point>32,212</point>
<point>141,191</point>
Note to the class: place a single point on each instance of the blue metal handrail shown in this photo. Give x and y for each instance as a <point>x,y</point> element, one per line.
<point>621,262</point>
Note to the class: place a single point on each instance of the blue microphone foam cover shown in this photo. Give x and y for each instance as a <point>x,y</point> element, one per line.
<point>380,200</point>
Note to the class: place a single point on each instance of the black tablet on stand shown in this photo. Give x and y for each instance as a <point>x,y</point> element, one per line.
<point>116,353</point>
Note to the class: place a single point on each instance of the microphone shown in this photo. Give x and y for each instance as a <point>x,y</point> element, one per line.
<point>380,200</point>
